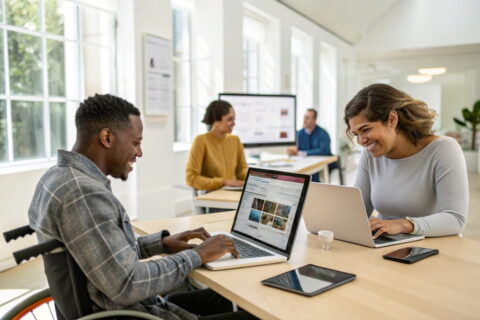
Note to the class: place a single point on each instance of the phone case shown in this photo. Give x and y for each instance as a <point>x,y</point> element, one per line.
<point>414,258</point>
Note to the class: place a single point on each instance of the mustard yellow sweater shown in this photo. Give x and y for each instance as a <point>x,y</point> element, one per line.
<point>214,159</point>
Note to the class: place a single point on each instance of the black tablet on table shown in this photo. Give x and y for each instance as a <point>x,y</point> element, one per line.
<point>309,280</point>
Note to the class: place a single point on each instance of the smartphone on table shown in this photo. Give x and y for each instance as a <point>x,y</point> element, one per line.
<point>410,254</point>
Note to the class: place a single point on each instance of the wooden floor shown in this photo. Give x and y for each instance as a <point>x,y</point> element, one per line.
<point>19,282</point>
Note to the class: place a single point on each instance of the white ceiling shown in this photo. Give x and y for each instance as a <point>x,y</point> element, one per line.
<point>348,19</point>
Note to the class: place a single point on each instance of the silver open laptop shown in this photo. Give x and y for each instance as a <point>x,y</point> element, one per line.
<point>341,210</point>
<point>267,218</point>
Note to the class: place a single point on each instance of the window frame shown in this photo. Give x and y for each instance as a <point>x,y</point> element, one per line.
<point>47,158</point>
<point>248,78</point>
<point>188,60</point>
<point>299,62</point>
<point>258,49</point>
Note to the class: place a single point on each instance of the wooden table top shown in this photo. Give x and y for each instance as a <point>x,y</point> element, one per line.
<point>445,286</point>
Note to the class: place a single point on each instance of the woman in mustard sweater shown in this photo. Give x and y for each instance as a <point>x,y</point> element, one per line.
<point>216,158</point>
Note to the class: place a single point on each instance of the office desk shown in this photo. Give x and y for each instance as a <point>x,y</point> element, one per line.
<point>445,286</point>
<point>227,199</point>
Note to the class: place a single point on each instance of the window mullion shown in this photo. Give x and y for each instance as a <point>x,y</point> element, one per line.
<point>7,94</point>
<point>193,111</point>
<point>46,106</point>
<point>81,58</point>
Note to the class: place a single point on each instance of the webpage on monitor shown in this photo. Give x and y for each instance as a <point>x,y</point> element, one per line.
<point>263,119</point>
<point>268,208</point>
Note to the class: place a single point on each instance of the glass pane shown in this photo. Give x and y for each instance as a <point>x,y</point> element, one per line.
<point>56,68</point>
<point>253,64</point>
<point>182,124</point>
<point>3,131</point>
<point>182,83</point>
<point>58,130</point>
<point>98,27</point>
<point>28,130</point>
<point>181,34</point>
<point>2,73</point>
<point>72,71</point>
<point>23,13</point>
<point>253,85</point>
<point>25,60</point>
<point>99,67</point>
<point>54,16</point>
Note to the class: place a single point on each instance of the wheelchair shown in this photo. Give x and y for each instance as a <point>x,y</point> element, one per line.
<point>67,297</point>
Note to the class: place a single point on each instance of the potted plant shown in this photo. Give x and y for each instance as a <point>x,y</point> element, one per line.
<point>471,121</point>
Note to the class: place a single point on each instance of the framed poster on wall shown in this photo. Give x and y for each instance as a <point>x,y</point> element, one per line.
<point>157,54</point>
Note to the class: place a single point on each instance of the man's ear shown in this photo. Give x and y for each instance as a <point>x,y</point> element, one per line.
<point>106,138</point>
<point>393,119</point>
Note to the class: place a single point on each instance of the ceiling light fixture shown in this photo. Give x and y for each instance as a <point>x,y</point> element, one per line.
<point>418,78</point>
<point>432,71</point>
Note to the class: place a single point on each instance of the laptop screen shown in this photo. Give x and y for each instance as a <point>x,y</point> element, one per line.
<point>270,208</point>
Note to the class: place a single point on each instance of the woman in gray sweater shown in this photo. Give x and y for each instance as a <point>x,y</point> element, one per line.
<point>417,181</point>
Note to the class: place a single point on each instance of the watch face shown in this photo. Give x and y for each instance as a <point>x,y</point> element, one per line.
<point>165,233</point>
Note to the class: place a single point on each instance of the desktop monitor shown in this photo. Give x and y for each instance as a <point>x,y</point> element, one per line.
<point>263,119</point>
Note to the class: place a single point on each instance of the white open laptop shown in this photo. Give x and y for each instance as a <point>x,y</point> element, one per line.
<point>341,210</point>
<point>267,218</point>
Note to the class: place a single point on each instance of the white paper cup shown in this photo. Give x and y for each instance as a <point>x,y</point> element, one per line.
<point>326,238</point>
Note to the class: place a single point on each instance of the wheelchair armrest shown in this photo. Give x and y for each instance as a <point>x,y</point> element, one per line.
<point>17,232</point>
<point>120,313</point>
<point>38,249</point>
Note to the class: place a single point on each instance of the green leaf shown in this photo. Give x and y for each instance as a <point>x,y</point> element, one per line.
<point>459,122</point>
<point>476,111</point>
<point>467,115</point>
<point>476,107</point>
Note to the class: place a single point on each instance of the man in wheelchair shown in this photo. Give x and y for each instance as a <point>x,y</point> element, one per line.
<point>74,204</point>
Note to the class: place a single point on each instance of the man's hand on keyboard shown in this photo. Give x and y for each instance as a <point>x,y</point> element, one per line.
<point>215,247</point>
<point>179,241</point>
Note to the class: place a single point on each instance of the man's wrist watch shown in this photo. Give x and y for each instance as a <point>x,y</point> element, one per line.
<point>165,233</point>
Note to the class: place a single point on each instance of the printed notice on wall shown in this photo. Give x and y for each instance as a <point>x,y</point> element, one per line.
<point>157,70</point>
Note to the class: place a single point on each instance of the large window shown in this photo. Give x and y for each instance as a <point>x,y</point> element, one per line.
<point>53,53</point>
<point>182,75</point>
<point>301,76</point>
<point>327,113</point>
<point>254,31</point>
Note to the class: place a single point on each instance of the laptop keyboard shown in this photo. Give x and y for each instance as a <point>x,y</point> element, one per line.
<point>248,251</point>
<point>384,238</point>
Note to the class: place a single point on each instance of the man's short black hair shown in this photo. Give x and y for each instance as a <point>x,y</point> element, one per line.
<point>314,112</point>
<point>103,111</point>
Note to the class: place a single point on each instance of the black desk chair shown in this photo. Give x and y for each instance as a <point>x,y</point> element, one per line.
<point>337,165</point>
<point>67,284</point>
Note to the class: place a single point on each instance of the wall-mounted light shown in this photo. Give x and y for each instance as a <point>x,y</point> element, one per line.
<point>418,78</point>
<point>432,71</point>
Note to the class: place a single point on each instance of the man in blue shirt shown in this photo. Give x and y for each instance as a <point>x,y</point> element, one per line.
<point>311,140</point>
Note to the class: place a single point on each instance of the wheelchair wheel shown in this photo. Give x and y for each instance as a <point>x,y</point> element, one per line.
<point>37,306</point>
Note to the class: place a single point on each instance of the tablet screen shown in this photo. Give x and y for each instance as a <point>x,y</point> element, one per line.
<point>309,280</point>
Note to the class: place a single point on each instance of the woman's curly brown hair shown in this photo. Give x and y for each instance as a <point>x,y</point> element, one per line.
<point>415,119</point>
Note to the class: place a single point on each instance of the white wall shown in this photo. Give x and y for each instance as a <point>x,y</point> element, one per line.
<point>460,86</point>
<point>416,24</point>
<point>154,174</point>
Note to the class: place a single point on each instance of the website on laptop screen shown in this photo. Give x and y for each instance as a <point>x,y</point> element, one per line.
<point>268,208</point>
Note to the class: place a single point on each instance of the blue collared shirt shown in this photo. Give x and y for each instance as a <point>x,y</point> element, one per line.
<point>317,143</point>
